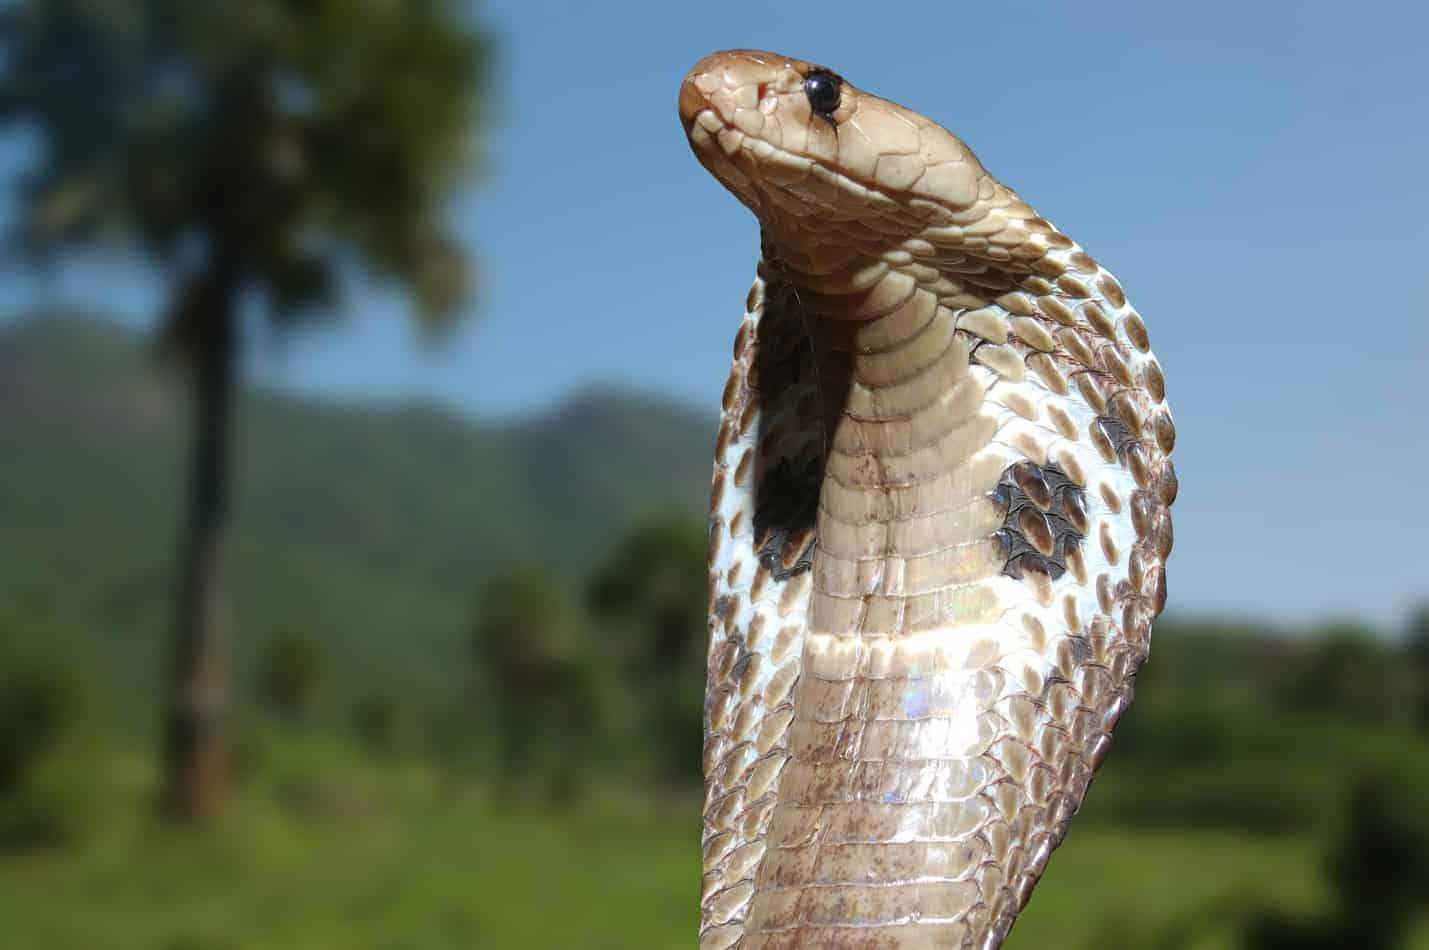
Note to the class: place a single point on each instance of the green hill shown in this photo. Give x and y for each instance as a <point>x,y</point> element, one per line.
<point>365,529</point>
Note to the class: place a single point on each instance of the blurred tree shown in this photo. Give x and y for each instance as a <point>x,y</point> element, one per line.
<point>1345,671</point>
<point>657,576</point>
<point>256,151</point>
<point>654,584</point>
<point>51,755</point>
<point>527,640</point>
<point>381,725</point>
<point>1416,647</point>
<point>1416,635</point>
<point>36,704</point>
<point>288,680</point>
<point>1380,873</point>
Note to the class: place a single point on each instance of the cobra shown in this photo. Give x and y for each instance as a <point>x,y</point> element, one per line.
<point>938,525</point>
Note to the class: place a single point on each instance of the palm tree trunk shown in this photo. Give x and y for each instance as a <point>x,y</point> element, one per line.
<point>195,737</point>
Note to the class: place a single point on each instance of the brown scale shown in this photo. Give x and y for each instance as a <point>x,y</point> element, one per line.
<point>1117,435</point>
<point>1044,523</point>
<point>1132,431</point>
<point>1044,518</point>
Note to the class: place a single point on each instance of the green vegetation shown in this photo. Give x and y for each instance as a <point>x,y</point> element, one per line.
<point>290,676</point>
<point>652,589</point>
<point>329,850</point>
<point>367,531</point>
<point>438,747</point>
<point>254,153</point>
<point>537,684</point>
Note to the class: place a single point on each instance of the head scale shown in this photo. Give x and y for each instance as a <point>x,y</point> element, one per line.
<point>833,172</point>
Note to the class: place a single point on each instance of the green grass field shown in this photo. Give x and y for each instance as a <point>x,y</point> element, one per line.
<point>327,851</point>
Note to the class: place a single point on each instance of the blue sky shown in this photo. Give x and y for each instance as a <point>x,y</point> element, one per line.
<point>1254,174</point>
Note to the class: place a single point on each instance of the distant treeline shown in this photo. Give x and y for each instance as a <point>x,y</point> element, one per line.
<point>562,677</point>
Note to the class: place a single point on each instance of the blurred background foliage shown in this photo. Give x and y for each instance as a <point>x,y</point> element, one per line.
<point>432,741</point>
<point>469,677</point>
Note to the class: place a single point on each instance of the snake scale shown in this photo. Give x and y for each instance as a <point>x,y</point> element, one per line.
<point>938,526</point>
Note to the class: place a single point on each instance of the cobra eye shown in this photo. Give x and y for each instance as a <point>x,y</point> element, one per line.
<point>822,88</point>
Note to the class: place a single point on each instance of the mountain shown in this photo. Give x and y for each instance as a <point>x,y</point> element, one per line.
<point>366,529</point>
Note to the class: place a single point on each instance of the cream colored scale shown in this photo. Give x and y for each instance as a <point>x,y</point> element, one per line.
<point>939,520</point>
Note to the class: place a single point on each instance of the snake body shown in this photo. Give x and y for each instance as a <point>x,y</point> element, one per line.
<point>939,519</point>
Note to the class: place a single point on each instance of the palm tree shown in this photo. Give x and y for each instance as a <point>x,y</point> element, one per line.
<point>255,153</point>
